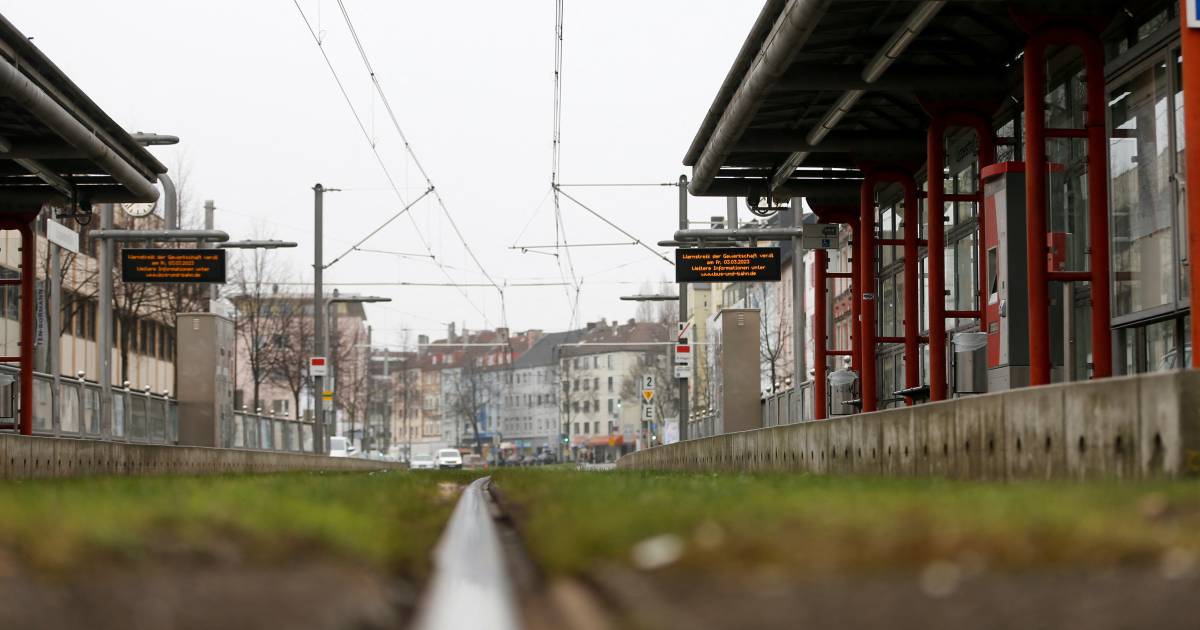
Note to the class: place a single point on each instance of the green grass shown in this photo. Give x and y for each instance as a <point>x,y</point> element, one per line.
<point>387,520</point>
<point>807,525</point>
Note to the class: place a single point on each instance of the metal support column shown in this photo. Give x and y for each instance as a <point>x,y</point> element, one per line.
<point>866,266</point>
<point>684,403</point>
<point>936,235</point>
<point>1037,166</point>
<point>1190,40</point>
<point>820,338</point>
<point>912,292</point>
<point>28,323</point>
<point>799,312</point>
<point>865,290</point>
<point>104,321</point>
<point>53,332</point>
<point>318,322</point>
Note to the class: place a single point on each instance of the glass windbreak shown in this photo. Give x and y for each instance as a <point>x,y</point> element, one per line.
<point>68,408</point>
<point>118,415</point>
<point>1144,260</point>
<point>41,405</point>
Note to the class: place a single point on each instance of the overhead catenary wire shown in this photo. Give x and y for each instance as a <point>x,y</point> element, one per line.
<point>606,185</point>
<point>560,231</point>
<point>617,228</point>
<point>364,239</point>
<point>375,150</point>
<point>387,106</point>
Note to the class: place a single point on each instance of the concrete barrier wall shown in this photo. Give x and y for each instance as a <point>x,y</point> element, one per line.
<point>1130,427</point>
<point>23,457</point>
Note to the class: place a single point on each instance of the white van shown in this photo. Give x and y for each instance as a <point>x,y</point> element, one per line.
<point>339,446</point>
<point>449,458</point>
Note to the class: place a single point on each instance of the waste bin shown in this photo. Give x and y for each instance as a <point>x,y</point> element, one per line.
<point>8,407</point>
<point>970,363</point>
<point>843,388</point>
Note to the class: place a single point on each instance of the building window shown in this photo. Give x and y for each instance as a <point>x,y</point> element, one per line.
<point>610,384</point>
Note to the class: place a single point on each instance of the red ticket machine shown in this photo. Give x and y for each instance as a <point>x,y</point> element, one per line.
<point>1007,306</point>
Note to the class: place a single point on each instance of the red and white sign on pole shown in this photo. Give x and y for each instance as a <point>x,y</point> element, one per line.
<point>317,366</point>
<point>683,353</point>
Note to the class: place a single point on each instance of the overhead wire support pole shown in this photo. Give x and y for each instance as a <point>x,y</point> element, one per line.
<point>684,403</point>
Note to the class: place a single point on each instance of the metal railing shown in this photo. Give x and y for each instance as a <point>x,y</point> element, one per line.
<point>137,416</point>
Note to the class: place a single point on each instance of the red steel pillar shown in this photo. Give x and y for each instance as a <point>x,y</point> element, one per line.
<point>28,322</point>
<point>865,293</point>
<point>936,236</point>
<point>855,301</point>
<point>935,262</point>
<point>819,334</point>
<point>1190,40</point>
<point>912,289</point>
<point>1035,203</point>
<point>1035,190</point>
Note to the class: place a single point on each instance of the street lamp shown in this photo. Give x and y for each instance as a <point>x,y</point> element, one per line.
<point>650,298</point>
<point>253,244</point>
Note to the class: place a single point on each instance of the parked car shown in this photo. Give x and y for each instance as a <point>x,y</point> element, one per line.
<point>546,457</point>
<point>339,446</point>
<point>449,458</point>
<point>473,462</point>
<point>422,461</point>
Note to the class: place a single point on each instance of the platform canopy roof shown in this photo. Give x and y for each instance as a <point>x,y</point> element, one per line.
<point>822,86</point>
<point>56,144</point>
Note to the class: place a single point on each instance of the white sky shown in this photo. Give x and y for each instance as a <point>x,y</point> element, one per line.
<point>245,87</point>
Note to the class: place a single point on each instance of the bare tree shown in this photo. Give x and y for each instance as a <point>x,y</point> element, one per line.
<point>260,321</point>
<point>291,367</point>
<point>775,333</point>
<point>352,373</point>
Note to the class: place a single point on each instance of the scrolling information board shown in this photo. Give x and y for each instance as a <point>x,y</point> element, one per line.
<point>742,264</point>
<point>173,265</point>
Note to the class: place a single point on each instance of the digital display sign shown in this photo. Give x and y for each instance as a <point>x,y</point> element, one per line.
<point>173,265</point>
<point>734,264</point>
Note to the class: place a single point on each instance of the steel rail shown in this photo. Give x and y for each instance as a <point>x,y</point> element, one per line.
<point>470,586</point>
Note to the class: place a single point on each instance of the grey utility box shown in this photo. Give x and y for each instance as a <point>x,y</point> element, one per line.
<point>204,370</point>
<point>736,373</point>
<point>843,390</point>
<point>970,363</point>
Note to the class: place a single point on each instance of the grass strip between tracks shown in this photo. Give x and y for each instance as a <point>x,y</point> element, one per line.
<point>385,520</point>
<point>806,525</point>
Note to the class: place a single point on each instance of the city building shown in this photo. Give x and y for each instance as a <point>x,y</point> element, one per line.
<point>532,421</point>
<point>600,392</point>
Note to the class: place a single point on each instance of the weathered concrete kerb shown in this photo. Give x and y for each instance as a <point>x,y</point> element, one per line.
<point>1143,426</point>
<point>24,457</point>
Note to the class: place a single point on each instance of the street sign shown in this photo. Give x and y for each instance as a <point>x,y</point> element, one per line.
<point>1193,13</point>
<point>327,395</point>
<point>728,264</point>
<point>820,236</point>
<point>683,353</point>
<point>317,366</point>
<point>683,328</point>
<point>648,413</point>
<point>173,265</point>
<point>62,236</point>
<point>648,382</point>
<point>647,396</point>
<point>683,371</point>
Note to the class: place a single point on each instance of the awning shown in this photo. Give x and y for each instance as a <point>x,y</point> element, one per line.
<point>609,440</point>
